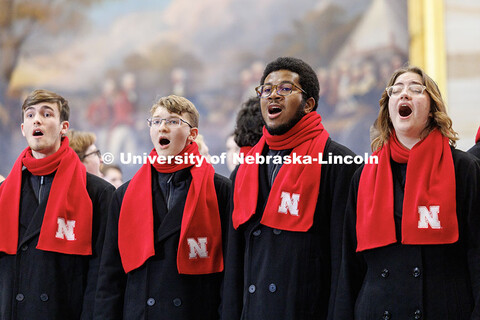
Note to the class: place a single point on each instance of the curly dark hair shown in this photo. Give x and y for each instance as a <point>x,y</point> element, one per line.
<point>308,77</point>
<point>249,123</point>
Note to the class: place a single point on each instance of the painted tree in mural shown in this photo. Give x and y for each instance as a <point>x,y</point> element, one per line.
<point>20,20</point>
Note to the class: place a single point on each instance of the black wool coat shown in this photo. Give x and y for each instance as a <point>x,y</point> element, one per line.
<point>278,274</point>
<point>156,290</point>
<point>36,284</point>
<point>475,150</point>
<point>415,281</point>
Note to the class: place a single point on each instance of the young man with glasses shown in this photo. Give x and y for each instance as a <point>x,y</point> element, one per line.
<point>284,240</point>
<point>53,216</point>
<point>164,240</point>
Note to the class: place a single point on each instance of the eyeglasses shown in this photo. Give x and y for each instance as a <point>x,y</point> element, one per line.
<point>96,152</point>
<point>283,89</point>
<point>413,89</point>
<point>157,122</point>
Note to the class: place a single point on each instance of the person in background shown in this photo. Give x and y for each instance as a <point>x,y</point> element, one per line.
<point>284,237</point>
<point>112,173</point>
<point>53,217</point>
<point>232,151</point>
<point>83,143</point>
<point>202,147</point>
<point>164,244</point>
<point>411,240</point>
<point>248,125</point>
<point>475,150</point>
<point>248,130</point>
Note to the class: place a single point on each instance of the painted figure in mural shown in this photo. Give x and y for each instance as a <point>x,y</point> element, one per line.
<point>411,243</point>
<point>475,150</point>
<point>99,112</point>
<point>163,254</point>
<point>53,217</point>
<point>121,137</point>
<point>83,143</point>
<point>284,239</point>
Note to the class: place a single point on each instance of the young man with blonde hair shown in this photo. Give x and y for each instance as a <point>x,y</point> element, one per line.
<point>164,241</point>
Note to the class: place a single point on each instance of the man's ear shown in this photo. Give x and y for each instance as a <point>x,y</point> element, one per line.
<point>65,125</point>
<point>309,105</point>
<point>21,127</point>
<point>193,135</point>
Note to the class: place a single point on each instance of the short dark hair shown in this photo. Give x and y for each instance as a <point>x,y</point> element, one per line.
<point>249,123</point>
<point>308,77</point>
<point>41,95</point>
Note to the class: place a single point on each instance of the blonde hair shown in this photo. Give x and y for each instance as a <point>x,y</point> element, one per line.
<point>79,141</point>
<point>439,119</point>
<point>178,105</point>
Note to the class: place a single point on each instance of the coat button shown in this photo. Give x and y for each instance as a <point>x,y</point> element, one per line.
<point>177,302</point>
<point>25,247</point>
<point>385,273</point>
<point>272,287</point>
<point>418,314</point>
<point>277,231</point>
<point>386,315</point>
<point>150,302</point>
<point>19,297</point>
<point>251,288</point>
<point>44,297</point>
<point>257,232</point>
<point>416,272</point>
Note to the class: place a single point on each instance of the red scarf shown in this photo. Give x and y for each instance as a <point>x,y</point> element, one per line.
<point>68,200</point>
<point>477,138</point>
<point>300,183</point>
<point>244,150</point>
<point>201,218</point>
<point>430,182</point>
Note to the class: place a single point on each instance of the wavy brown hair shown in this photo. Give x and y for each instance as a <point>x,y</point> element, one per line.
<point>438,109</point>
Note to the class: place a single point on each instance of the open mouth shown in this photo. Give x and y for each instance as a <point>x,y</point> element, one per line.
<point>37,133</point>
<point>404,111</point>
<point>164,142</point>
<point>274,109</point>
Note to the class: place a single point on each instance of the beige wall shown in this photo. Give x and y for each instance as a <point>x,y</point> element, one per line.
<point>462,41</point>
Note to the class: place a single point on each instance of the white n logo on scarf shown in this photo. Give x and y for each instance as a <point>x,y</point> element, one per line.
<point>198,248</point>
<point>65,230</point>
<point>289,203</point>
<point>429,217</point>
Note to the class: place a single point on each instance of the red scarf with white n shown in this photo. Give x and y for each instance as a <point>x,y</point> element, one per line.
<point>477,137</point>
<point>429,208</point>
<point>67,222</point>
<point>200,222</point>
<point>293,197</point>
